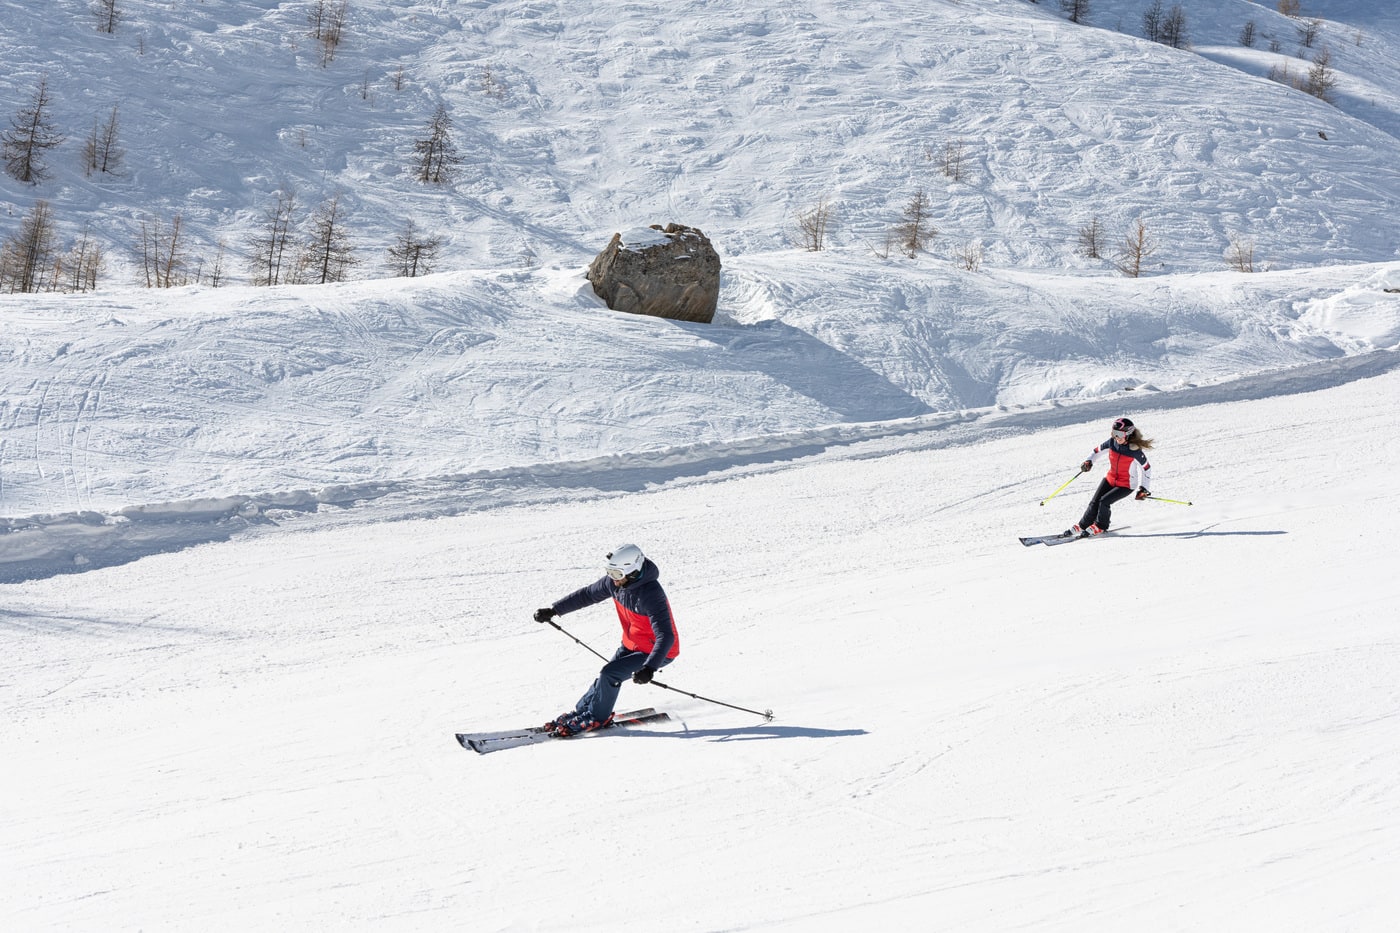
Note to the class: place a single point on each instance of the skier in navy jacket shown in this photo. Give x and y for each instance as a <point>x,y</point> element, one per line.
<point>649,640</point>
<point>1127,469</point>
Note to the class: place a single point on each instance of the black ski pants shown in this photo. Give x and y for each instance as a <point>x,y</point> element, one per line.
<point>1101,506</point>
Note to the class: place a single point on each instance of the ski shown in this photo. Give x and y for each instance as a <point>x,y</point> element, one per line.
<point>1047,539</point>
<point>1063,538</point>
<point>624,718</point>
<point>484,742</point>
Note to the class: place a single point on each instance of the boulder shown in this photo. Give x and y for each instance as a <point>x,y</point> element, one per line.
<point>670,272</point>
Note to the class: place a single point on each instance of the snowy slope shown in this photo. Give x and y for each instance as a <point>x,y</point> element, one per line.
<point>302,396</point>
<point>1189,725</point>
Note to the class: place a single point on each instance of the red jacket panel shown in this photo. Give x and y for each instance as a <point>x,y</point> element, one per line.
<point>637,632</point>
<point>1127,464</point>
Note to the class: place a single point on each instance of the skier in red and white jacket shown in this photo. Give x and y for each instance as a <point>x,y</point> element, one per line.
<point>1128,469</point>
<point>649,640</point>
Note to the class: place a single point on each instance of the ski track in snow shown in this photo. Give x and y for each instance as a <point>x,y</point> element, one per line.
<point>72,542</point>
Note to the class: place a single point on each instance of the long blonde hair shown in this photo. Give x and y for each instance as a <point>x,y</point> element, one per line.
<point>1136,439</point>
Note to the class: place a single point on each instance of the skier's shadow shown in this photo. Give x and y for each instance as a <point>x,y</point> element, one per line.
<point>1202,534</point>
<point>753,733</point>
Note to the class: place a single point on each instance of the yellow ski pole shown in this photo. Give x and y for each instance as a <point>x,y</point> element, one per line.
<point>1173,501</point>
<point>1062,487</point>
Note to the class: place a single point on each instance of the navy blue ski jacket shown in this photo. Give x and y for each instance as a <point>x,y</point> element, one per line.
<point>642,608</point>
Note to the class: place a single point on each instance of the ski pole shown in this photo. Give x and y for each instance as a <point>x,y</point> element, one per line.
<point>766,714</point>
<point>1061,489</point>
<point>1173,501</point>
<point>570,634</point>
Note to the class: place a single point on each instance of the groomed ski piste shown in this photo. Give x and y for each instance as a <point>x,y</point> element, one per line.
<point>1190,720</point>
<point>265,552</point>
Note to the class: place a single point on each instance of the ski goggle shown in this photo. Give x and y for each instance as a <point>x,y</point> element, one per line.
<point>1121,435</point>
<point>618,576</point>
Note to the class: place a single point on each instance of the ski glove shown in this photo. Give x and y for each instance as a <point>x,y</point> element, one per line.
<point>1086,466</point>
<point>644,675</point>
<point>1143,493</point>
<point>545,614</point>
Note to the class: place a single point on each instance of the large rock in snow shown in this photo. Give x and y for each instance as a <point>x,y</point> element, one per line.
<point>671,272</point>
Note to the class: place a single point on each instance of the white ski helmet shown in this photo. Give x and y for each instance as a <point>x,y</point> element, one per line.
<point>624,561</point>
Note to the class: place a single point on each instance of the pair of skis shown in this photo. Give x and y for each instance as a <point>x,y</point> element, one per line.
<point>484,742</point>
<point>1063,538</point>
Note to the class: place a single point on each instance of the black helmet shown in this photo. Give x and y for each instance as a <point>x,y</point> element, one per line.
<point>1123,426</point>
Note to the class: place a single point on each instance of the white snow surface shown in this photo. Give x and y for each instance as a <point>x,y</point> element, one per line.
<point>263,551</point>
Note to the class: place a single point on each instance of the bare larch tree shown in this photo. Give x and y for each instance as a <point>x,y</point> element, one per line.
<point>917,229</point>
<point>1322,80</point>
<point>1091,238</point>
<point>101,153</point>
<point>1134,250</point>
<point>1076,10</point>
<point>437,155</point>
<point>328,255</point>
<point>412,253</point>
<point>107,15</point>
<point>82,264</point>
<point>162,252</point>
<point>26,259</point>
<point>267,250</point>
<point>30,136</point>
<point>812,225</point>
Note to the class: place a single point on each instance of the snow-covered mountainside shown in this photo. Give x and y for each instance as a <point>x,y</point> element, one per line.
<point>575,121</point>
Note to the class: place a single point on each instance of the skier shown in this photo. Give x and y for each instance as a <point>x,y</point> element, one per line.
<point>1127,468</point>
<point>649,639</point>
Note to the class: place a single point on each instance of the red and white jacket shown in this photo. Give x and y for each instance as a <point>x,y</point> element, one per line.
<point>1127,464</point>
